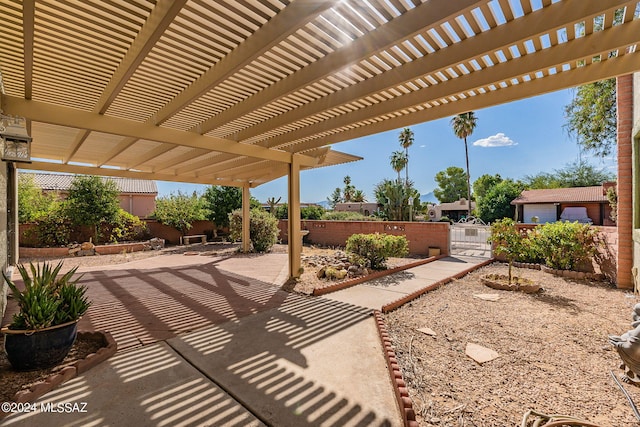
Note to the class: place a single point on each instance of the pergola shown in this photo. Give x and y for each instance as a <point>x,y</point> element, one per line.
<point>241,92</point>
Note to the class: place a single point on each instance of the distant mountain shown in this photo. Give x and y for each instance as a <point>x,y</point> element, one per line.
<point>429,197</point>
<point>323,203</point>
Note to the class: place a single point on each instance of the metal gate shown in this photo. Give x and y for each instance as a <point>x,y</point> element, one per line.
<point>469,237</point>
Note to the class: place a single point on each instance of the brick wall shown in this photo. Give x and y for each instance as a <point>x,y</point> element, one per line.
<point>421,235</point>
<point>624,104</point>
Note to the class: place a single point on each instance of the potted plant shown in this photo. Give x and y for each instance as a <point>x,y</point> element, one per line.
<point>45,328</point>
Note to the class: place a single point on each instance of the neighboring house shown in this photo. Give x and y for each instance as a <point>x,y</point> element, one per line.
<point>453,210</point>
<point>137,196</point>
<point>365,208</point>
<point>582,204</point>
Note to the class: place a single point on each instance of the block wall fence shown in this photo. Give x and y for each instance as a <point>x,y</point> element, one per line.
<point>421,235</point>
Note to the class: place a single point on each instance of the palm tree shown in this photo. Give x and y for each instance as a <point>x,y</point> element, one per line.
<point>463,126</point>
<point>398,162</point>
<point>406,141</point>
<point>347,193</point>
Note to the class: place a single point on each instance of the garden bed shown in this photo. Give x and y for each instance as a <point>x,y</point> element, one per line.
<point>554,355</point>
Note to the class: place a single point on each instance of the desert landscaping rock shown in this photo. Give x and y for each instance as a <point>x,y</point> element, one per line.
<point>488,297</point>
<point>428,331</point>
<point>480,353</point>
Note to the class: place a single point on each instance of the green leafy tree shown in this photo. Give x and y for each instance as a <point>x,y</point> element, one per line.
<point>92,200</point>
<point>577,174</point>
<point>32,202</point>
<point>483,184</point>
<point>541,181</point>
<point>179,210</point>
<point>220,201</point>
<point>507,240</point>
<point>463,126</point>
<point>591,117</point>
<point>335,198</point>
<point>496,203</point>
<point>451,184</point>
<point>406,139</point>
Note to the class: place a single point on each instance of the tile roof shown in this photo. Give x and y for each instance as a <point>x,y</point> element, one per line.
<point>62,182</point>
<point>561,195</point>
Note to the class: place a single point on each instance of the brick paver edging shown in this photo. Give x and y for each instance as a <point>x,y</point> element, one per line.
<point>375,275</point>
<point>68,372</point>
<point>399,386</point>
<point>410,297</point>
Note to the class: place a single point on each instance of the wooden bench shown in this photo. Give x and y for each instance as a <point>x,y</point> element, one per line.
<point>185,240</point>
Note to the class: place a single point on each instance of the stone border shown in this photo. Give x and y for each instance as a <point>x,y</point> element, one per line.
<point>410,297</point>
<point>81,366</point>
<point>405,403</point>
<point>333,287</point>
<point>57,252</point>
<point>571,274</point>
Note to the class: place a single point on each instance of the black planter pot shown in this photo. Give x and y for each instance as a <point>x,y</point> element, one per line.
<point>31,350</point>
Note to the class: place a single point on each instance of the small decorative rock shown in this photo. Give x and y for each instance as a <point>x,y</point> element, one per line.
<point>428,331</point>
<point>479,353</point>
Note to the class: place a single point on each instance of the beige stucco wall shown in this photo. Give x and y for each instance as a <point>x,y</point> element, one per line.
<point>3,234</point>
<point>140,205</point>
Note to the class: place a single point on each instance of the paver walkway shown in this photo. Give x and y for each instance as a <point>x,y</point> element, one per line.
<point>212,341</point>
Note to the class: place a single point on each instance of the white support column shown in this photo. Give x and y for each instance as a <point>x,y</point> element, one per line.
<point>246,211</point>
<point>295,239</point>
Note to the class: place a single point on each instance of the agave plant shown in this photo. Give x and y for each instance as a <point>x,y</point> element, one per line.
<point>48,298</point>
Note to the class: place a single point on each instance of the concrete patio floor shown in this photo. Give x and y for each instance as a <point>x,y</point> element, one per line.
<point>213,341</point>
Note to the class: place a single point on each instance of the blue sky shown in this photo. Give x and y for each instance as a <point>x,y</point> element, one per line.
<point>516,139</point>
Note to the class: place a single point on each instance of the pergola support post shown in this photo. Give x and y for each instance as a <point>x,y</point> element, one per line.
<point>246,212</point>
<point>295,239</point>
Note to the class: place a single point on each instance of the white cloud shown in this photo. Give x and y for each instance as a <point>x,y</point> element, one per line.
<point>422,146</point>
<point>497,140</point>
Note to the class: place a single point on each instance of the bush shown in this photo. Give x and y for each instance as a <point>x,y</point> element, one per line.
<point>125,228</point>
<point>347,216</point>
<point>180,210</point>
<point>565,245</point>
<point>53,228</point>
<point>376,248</point>
<point>263,228</point>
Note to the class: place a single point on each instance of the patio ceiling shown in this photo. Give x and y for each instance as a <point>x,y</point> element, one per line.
<point>226,92</point>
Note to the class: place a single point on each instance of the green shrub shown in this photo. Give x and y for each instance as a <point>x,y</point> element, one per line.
<point>53,228</point>
<point>180,210</point>
<point>530,251</point>
<point>376,248</point>
<point>565,245</point>
<point>263,228</point>
<point>126,227</point>
<point>347,216</point>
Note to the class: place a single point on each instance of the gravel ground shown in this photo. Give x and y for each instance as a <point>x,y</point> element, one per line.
<point>554,356</point>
